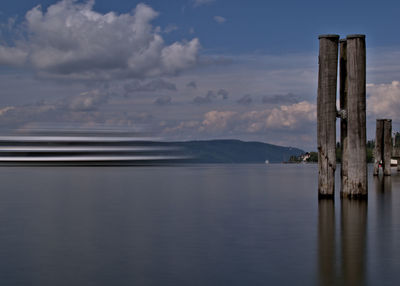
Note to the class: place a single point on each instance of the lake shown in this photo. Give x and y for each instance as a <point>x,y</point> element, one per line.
<point>194,225</point>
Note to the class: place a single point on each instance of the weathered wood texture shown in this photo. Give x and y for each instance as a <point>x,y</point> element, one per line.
<point>387,146</point>
<point>378,145</point>
<point>396,151</point>
<point>326,114</point>
<point>357,184</point>
<point>343,107</point>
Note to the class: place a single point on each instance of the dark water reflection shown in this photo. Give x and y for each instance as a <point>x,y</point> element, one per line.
<point>344,253</point>
<point>353,241</point>
<point>347,267</point>
<point>193,225</point>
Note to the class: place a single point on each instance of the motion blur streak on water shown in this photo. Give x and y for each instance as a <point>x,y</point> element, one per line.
<point>99,148</point>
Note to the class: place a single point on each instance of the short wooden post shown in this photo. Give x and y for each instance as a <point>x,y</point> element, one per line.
<point>343,108</point>
<point>396,148</point>
<point>326,114</point>
<point>357,185</point>
<point>387,146</point>
<point>378,145</point>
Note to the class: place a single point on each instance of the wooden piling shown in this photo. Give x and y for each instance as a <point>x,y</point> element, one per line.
<point>378,145</point>
<point>326,114</point>
<point>357,185</point>
<point>343,108</point>
<point>396,150</point>
<point>387,146</point>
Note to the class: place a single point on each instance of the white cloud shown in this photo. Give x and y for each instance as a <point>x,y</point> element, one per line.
<point>219,19</point>
<point>384,100</point>
<point>293,117</point>
<point>72,40</point>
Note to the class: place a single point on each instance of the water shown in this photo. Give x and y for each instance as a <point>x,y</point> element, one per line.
<point>193,225</point>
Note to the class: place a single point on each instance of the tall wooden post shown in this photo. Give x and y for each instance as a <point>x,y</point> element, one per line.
<point>387,146</point>
<point>378,145</point>
<point>326,114</point>
<point>343,107</point>
<point>356,118</point>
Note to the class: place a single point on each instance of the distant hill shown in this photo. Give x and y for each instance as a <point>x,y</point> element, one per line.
<point>236,151</point>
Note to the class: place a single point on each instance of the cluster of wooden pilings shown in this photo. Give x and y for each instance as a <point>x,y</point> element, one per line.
<point>352,113</point>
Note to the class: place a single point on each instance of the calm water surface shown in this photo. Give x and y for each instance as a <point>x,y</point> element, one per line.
<point>193,225</point>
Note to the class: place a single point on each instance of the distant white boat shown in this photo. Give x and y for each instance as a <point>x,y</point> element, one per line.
<point>266,161</point>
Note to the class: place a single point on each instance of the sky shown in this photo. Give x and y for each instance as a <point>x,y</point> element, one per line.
<point>187,69</point>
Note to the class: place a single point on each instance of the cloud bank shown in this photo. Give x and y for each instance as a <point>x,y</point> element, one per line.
<point>295,117</point>
<point>72,40</point>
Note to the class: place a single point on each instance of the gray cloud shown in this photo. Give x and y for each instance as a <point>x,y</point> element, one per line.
<point>280,99</point>
<point>163,100</point>
<point>71,40</point>
<point>87,101</point>
<point>83,110</point>
<point>210,96</point>
<point>192,84</point>
<point>224,93</point>
<point>245,100</point>
<point>153,85</point>
<point>202,99</point>
<point>219,19</point>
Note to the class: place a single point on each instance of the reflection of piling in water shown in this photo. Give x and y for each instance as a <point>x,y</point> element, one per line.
<point>326,242</point>
<point>383,185</point>
<point>353,237</point>
<point>383,235</point>
<point>326,113</point>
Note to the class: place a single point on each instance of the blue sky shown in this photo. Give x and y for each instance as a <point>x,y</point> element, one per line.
<point>187,69</point>
<point>255,25</point>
